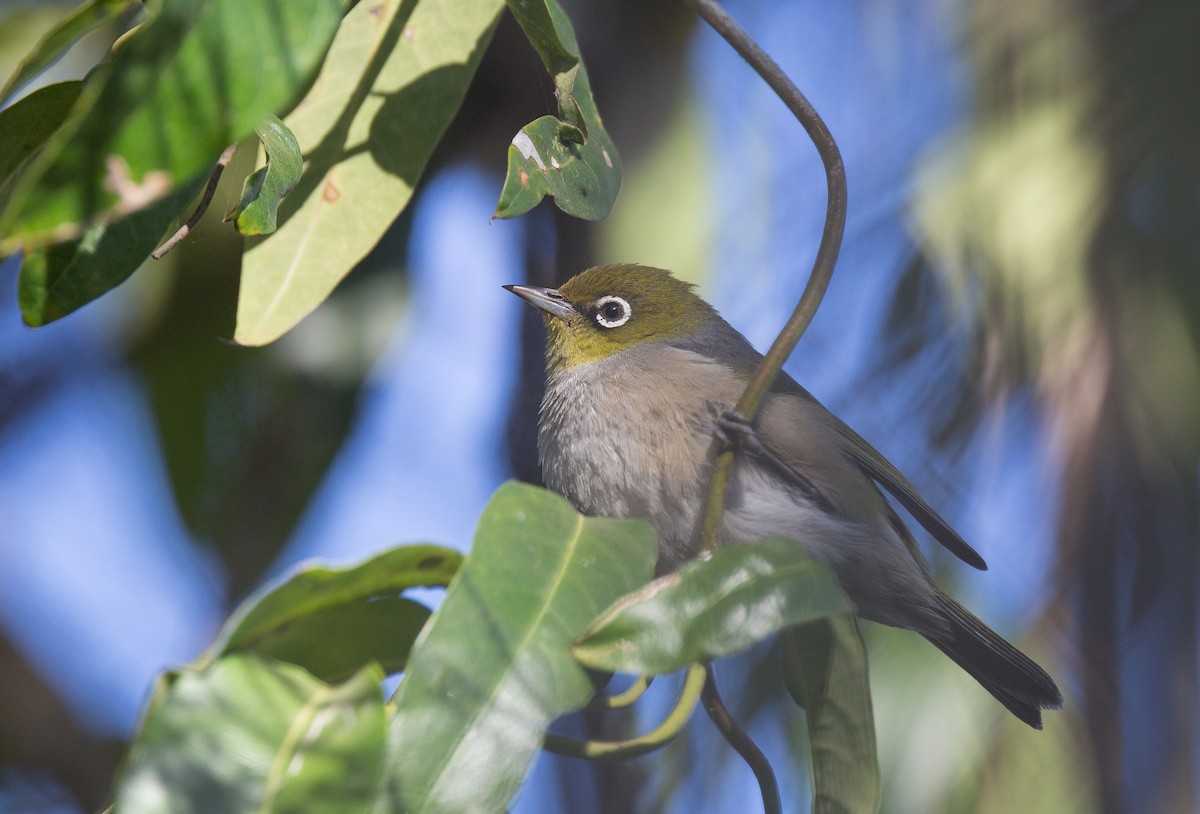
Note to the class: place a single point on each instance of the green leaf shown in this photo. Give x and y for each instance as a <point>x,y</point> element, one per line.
<point>86,17</point>
<point>825,670</point>
<point>258,209</point>
<point>62,277</point>
<point>571,156</point>
<point>712,608</point>
<point>196,78</point>
<point>21,25</point>
<point>549,157</point>
<point>549,32</point>
<point>492,670</point>
<point>395,76</point>
<point>332,621</point>
<point>27,123</point>
<point>253,735</point>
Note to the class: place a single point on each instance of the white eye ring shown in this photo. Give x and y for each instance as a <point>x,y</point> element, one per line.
<point>617,321</point>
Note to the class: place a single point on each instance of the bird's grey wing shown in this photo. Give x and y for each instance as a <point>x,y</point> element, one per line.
<point>880,469</point>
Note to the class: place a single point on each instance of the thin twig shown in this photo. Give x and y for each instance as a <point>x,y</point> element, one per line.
<point>740,740</point>
<point>635,747</point>
<point>209,190</point>
<point>625,698</point>
<point>818,281</point>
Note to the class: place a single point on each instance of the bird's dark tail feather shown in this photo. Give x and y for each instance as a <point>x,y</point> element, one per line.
<point>1012,677</point>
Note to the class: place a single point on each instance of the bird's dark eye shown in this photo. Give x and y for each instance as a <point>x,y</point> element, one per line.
<point>612,312</point>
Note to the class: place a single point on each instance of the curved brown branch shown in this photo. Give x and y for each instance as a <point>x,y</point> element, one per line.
<point>827,252</point>
<point>205,199</point>
<point>741,741</point>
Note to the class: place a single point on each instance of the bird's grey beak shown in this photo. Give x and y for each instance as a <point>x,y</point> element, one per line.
<point>545,299</point>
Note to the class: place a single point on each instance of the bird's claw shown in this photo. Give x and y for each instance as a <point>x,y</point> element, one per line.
<point>735,430</point>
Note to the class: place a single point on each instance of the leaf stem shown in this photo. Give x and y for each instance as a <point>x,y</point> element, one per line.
<point>827,252</point>
<point>624,698</point>
<point>671,726</point>
<point>205,199</point>
<point>741,741</point>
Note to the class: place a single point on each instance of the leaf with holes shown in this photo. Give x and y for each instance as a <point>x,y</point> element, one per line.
<point>569,156</point>
<point>551,157</point>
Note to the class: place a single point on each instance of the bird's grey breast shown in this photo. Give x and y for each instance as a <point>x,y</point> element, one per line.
<point>632,434</point>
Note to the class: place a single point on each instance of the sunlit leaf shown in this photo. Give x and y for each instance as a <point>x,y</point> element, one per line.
<point>254,735</point>
<point>166,104</point>
<point>569,156</point>
<point>395,76</point>
<point>712,608</point>
<point>86,17</point>
<point>492,668</point>
<point>256,212</point>
<point>825,670</point>
<point>332,621</point>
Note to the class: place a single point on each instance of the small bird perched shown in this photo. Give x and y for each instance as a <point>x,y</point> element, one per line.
<point>641,375</point>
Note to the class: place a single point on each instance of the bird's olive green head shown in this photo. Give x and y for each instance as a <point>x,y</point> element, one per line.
<point>608,309</point>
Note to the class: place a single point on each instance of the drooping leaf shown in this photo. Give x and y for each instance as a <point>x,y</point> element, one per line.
<point>196,78</point>
<point>569,156</point>
<point>825,670</point>
<point>252,735</point>
<point>27,123</point>
<point>712,608</point>
<point>84,19</point>
<point>256,212</point>
<point>332,621</point>
<point>492,670</point>
<point>59,278</point>
<point>395,76</point>
<point>550,33</point>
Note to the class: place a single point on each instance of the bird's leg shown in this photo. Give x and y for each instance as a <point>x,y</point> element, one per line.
<point>735,429</point>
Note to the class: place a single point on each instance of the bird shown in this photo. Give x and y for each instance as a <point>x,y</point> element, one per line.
<point>642,375</point>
